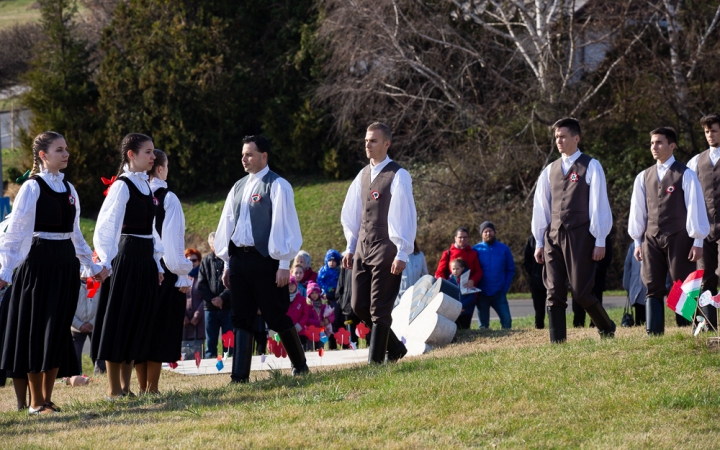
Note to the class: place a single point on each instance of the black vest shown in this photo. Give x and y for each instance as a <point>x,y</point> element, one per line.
<point>160,209</point>
<point>55,211</point>
<point>139,210</point>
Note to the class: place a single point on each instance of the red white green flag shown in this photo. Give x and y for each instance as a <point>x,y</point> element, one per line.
<point>683,295</point>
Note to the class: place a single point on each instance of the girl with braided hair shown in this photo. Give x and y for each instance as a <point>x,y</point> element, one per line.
<point>128,246</point>
<point>44,243</point>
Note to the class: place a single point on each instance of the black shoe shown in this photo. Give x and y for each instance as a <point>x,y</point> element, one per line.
<point>558,327</point>
<point>396,350</point>
<point>379,343</point>
<point>242,359</point>
<point>606,327</point>
<point>294,349</point>
<point>654,316</point>
<point>711,315</point>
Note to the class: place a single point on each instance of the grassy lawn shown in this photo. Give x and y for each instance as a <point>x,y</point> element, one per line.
<point>508,389</point>
<point>17,12</point>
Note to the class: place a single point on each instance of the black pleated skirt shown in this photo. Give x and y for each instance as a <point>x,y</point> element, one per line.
<point>40,309</point>
<point>127,302</point>
<point>166,330</point>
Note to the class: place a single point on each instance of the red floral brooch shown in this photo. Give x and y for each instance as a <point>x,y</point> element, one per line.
<point>375,195</point>
<point>670,189</point>
<point>574,177</point>
<point>255,198</point>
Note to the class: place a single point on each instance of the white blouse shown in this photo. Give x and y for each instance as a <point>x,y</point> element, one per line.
<point>285,236</point>
<point>173,236</point>
<point>19,226</point>
<point>402,216</point>
<point>110,219</point>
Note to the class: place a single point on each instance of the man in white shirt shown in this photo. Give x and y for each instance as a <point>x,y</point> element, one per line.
<point>379,221</point>
<point>708,173</point>
<point>257,237</point>
<point>668,223</point>
<point>571,219</point>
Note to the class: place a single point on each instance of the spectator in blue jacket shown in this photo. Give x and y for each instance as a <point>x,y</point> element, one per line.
<point>498,266</point>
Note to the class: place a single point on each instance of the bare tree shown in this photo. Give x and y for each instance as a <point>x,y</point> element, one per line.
<point>16,45</point>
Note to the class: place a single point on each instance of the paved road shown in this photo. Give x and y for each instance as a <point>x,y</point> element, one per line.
<point>518,308</point>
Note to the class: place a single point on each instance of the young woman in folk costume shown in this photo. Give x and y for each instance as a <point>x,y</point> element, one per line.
<point>43,241</point>
<point>128,246</point>
<point>166,331</point>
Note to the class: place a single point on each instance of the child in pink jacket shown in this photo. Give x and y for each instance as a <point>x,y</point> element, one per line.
<point>320,313</point>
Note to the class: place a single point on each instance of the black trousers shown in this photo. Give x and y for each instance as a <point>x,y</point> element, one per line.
<point>539,298</point>
<point>253,287</point>
<point>709,263</point>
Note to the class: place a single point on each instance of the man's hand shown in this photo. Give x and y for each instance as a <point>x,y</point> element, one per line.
<point>102,275</point>
<point>282,277</point>
<point>86,327</point>
<point>347,261</point>
<point>217,302</point>
<point>161,277</point>
<point>695,254</point>
<point>184,289</point>
<point>195,320</point>
<point>226,278</point>
<point>186,322</point>
<point>598,253</point>
<point>469,284</point>
<point>539,256</point>
<point>2,284</point>
<point>638,253</point>
<point>397,267</point>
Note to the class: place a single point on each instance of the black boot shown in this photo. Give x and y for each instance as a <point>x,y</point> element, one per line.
<point>558,327</point>
<point>655,316</point>
<point>639,315</point>
<point>242,358</point>
<point>395,348</point>
<point>605,326</point>
<point>378,343</point>
<point>294,349</point>
<point>711,315</point>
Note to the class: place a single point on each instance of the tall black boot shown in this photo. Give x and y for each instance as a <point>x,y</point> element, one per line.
<point>378,343</point>
<point>558,327</point>
<point>294,349</point>
<point>639,315</point>
<point>605,326</point>
<point>655,316</point>
<point>711,315</point>
<point>681,321</point>
<point>242,358</point>
<point>395,348</point>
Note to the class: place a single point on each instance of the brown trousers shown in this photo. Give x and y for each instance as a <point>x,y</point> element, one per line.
<point>374,288</point>
<point>709,263</point>
<point>568,258</point>
<point>662,254</point>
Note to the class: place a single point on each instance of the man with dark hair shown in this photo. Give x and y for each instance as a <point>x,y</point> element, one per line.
<point>379,221</point>
<point>708,172</point>
<point>498,267</point>
<point>668,223</point>
<point>257,237</point>
<point>571,219</point>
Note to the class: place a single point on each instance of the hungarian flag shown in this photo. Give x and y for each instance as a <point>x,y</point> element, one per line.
<point>683,296</point>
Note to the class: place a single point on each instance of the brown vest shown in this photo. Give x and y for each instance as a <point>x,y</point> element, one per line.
<point>570,194</point>
<point>665,200</point>
<point>376,203</point>
<point>709,177</point>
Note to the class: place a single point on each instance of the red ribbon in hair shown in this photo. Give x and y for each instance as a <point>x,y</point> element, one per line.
<point>107,183</point>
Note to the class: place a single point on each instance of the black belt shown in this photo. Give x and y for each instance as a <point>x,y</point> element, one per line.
<point>232,248</point>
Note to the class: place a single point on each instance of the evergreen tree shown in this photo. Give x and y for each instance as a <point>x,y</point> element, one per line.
<point>63,98</point>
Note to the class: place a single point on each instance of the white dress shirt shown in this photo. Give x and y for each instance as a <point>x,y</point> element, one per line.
<point>285,237</point>
<point>19,225</point>
<point>173,236</point>
<point>599,206</point>
<point>402,216</point>
<point>110,220</point>
<point>697,224</point>
<point>714,156</point>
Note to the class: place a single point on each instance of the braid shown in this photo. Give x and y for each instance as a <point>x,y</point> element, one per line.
<point>123,160</point>
<point>42,143</point>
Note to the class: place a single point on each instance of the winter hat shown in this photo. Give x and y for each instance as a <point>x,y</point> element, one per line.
<point>313,287</point>
<point>292,280</point>
<point>486,224</point>
<point>333,255</point>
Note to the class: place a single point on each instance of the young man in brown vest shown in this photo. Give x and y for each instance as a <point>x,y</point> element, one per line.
<point>379,221</point>
<point>668,223</point>
<point>571,219</point>
<point>708,172</point>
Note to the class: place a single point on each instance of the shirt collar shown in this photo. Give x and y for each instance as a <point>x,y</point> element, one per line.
<point>715,151</point>
<point>571,158</point>
<point>156,183</point>
<point>51,176</point>
<point>139,175</point>
<point>667,163</point>
<point>379,167</point>
<point>261,173</point>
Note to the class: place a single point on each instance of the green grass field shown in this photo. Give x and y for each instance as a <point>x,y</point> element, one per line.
<point>493,389</point>
<point>18,12</point>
